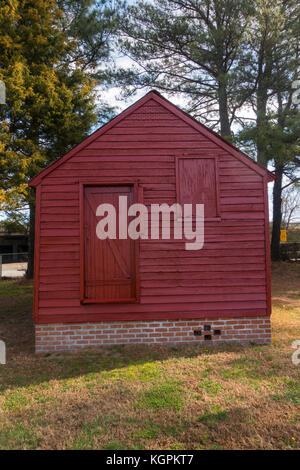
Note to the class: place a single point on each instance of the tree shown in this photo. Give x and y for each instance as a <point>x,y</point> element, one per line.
<point>290,205</point>
<point>190,48</point>
<point>281,148</point>
<point>274,42</point>
<point>50,93</point>
<point>226,58</point>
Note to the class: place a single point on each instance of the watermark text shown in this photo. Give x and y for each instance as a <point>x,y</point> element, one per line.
<point>2,92</point>
<point>2,352</point>
<point>186,224</point>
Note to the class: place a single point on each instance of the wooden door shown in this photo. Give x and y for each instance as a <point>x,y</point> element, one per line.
<point>110,264</point>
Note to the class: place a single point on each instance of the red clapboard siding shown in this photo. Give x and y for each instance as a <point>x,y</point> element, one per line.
<point>228,277</point>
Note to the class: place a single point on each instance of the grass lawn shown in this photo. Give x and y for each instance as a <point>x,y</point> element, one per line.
<point>191,397</point>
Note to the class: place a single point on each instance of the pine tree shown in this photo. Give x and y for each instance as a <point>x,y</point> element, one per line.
<point>190,48</point>
<point>274,42</point>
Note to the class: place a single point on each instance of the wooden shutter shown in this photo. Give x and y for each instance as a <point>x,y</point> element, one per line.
<point>109,266</point>
<point>197,184</point>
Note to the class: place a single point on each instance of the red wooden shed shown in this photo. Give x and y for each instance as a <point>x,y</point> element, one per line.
<point>90,292</point>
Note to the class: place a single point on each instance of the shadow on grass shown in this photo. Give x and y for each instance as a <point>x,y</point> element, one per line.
<point>114,362</point>
<point>24,368</point>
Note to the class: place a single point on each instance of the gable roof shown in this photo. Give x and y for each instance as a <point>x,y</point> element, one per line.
<point>154,95</point>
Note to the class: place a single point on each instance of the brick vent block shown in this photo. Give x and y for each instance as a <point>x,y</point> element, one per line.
<point>74,336</point>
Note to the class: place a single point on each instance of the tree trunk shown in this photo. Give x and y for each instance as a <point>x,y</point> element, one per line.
<point>30,267</point>
<point>263,86</point>
<point>277,214</point>
<point>261,126</point>
<point>223,111</point>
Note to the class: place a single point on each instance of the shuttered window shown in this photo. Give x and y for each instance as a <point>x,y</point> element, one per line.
<point>197,183</point>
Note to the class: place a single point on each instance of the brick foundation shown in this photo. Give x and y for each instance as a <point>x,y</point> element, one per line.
<point>72,336</point>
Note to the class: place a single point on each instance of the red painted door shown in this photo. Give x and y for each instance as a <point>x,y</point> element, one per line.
<point>110,264</point>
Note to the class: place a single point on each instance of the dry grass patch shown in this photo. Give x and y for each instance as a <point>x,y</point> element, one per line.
<point>129,397</point>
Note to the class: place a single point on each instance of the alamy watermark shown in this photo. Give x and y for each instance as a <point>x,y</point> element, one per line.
<point>296,354</point>
<point>2,92</point>
<point>186,225</point>
<point>2,352</point>
<point>296,94</point>
<point>296,344</point>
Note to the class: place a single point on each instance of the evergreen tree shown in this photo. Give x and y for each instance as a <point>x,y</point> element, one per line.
<point>190,48</point>
<point>274,42</point>
<point>225,57</point>
<point>46,66</point>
